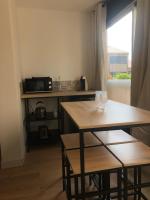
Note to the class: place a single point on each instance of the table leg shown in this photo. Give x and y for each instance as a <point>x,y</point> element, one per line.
<point>63,168</point>
<point>62,121</point>
<point>125,184</point>
<point>135,183</point>
<point>82,164</point>
<point>59,114</point>
<point>27,124</point>
<point>100,184</point>
<point>119,183</point>
<point>76,187</point>
<point>139,182</point>
<point>106,184</point>
<point>68,181</point>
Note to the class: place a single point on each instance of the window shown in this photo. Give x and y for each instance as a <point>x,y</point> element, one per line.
<point>116,59</point>
<point>119,48</point>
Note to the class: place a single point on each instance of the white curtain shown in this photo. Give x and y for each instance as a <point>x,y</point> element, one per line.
<point>98,70</point>
<point>140,87</point>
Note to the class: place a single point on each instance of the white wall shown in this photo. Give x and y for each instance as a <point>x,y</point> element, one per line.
<point>35,43</point>
<point>11,132</point>
<point>53,43</point>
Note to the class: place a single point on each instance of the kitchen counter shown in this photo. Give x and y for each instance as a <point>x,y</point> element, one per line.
<point>60,96</point>
<point>57,94</point>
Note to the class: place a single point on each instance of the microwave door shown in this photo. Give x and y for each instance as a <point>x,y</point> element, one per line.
<point>39,85</point>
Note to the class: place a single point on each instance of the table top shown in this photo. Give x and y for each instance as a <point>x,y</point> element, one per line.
<point>86,116</point>
<point>57,94</point>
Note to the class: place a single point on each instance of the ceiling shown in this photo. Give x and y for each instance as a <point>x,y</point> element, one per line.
<point>69,5</point>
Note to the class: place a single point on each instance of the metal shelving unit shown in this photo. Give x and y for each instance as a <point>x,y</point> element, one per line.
<point>30,117</point>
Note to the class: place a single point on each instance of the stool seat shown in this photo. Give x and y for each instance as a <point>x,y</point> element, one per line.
<point>96,159</point>
<point>71,141</point>
<point>114,137</point>
<point>131,154</point>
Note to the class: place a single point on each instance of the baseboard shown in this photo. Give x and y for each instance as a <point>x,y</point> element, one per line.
<point>13,163</point>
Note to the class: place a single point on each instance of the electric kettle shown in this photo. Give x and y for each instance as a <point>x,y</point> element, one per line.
<point>40,110</point>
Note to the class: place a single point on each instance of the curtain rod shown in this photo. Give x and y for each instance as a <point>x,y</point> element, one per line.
<point>103,2</point>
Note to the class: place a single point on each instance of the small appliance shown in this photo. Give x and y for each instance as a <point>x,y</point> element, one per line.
<point>83,83</point>
<point>40,110</point>
<point>37,84</point>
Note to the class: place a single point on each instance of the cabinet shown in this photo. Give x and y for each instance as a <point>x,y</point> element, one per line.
<point>43,133</point>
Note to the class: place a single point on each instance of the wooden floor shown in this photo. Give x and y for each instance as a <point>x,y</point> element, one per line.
<point>38,179</point>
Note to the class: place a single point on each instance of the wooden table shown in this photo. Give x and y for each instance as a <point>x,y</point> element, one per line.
<point>115,116</point>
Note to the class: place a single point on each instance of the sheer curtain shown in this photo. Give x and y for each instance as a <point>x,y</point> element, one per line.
<point>140,84</point>
<point>98,70</point>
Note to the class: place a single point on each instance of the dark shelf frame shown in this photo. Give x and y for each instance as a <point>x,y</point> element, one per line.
<point>51,139</point>
<point>31,117</point>
<point>49,116</point>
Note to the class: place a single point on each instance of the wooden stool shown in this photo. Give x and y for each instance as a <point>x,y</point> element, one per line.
<point>114,137</point>
<point>132,155</point>
<point>71,141</point>
<point>98,160</point>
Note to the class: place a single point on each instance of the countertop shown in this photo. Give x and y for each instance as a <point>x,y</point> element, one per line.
<point>58,94</point>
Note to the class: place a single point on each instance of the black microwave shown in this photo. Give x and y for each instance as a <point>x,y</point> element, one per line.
<point>37,84</point>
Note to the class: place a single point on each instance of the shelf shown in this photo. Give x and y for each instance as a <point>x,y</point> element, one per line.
<point>36,139</point>
<point>50,131</point>
<point>49,116</point>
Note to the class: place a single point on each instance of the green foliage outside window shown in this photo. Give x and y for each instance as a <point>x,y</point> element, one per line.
<point>122,76</point>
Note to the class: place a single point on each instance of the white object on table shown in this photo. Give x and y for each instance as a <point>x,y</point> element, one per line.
<point>101,100</point>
